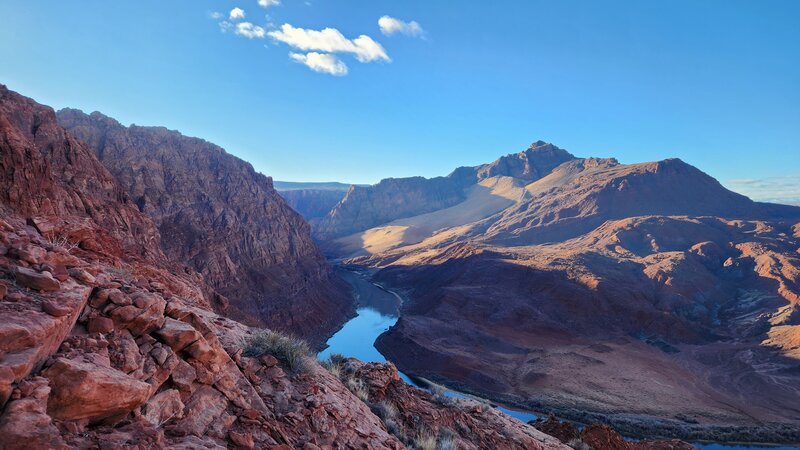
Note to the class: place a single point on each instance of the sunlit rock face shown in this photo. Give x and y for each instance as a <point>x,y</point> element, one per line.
<point>395,198</point>
<point>645,295</point>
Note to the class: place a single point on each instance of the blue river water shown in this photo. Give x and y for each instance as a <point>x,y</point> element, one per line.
<point>378,309</point>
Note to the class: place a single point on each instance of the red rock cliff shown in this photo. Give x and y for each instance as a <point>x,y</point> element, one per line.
<point>219,215</point>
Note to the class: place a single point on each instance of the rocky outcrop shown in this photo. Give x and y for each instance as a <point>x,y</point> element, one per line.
<point>413,415</point>
<point>46,174</point>
<point>220,216</point>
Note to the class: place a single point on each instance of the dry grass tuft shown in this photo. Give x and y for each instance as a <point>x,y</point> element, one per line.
<point>291,351</point>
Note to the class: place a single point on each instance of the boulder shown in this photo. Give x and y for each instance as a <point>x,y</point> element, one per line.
<point>25,424</point>
<point>178,335</point>
<point>201,351</point>
<point>83,390</point>
<point>163,406</point>
<point>100,325</point>
<point>605,437</point>
<point>81,275</point>
<point>183,376</point>
<point>32,279</point>
<point>55,308</point>
<point>137,319</point>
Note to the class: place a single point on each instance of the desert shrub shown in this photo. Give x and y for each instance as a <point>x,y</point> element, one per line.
<point>578,444</point>
<point>291,351</point>
<point>440,395</point>
<point>396,429</point>
<point>334,364</point>
<point>337,358</point>
<point>358,388</point>
<point>385,410</point>
<point>425,441</point>
<point>447,439</point>
<point>54,241</point>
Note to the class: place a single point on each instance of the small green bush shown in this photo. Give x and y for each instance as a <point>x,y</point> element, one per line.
<point>291,351</point>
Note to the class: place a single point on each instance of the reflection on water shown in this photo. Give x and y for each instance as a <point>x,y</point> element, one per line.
<point>357,337</point>
<point>378,310</point>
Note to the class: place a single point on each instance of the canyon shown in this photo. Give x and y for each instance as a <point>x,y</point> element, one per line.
<point>645,296</point>
<point>158,292</point>
<point>107,341</point>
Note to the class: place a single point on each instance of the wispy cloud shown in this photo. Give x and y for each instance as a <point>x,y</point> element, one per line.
<point>321,62</point>
<point>316,49</point>
<point>785,189</point>
<point>330,40</point>
<point>389,26</point>
<point>268,3</point>
<point>250,31</point>
<point>236,14</point>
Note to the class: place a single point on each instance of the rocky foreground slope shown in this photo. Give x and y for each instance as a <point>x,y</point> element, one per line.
<point>105,342</point>
<point>646,296</point>
<point>218,215</point>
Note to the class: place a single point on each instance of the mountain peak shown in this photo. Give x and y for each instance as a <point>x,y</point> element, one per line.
<point>540,144</point>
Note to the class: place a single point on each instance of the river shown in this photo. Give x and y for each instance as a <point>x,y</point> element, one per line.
<point>379,308</point>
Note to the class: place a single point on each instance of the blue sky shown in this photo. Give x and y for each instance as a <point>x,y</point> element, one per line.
<point>716,83</point>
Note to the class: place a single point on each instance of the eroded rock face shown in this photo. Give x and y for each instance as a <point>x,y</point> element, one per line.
<point>216,213</point>
<point>48,173</point>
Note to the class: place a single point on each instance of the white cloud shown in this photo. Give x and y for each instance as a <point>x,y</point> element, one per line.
<point>236,14</point>
<point>250,31</point>
<point>321,62</point>
<point>784,189</point>
<point>390,25</point>
<point>215,15</point>
<point>330,40</point>
<point>268,3</point>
